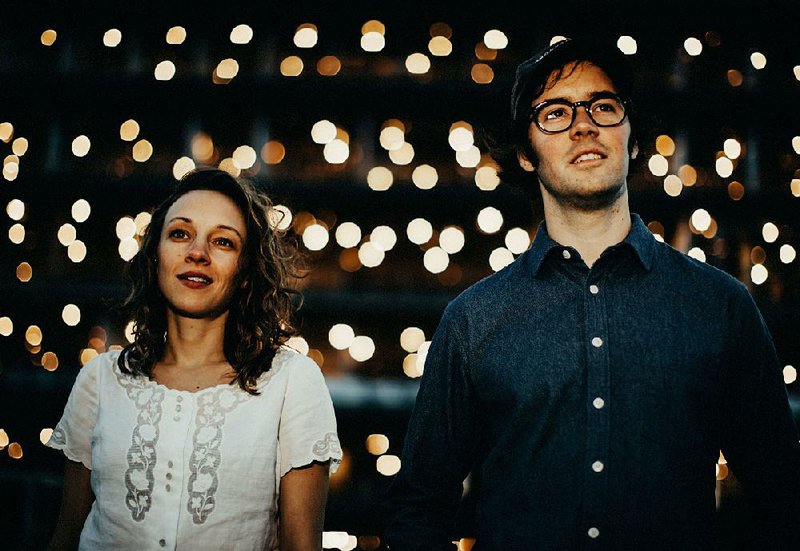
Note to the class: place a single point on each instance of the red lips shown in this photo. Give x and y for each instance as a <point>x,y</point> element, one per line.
<point>195,280</point>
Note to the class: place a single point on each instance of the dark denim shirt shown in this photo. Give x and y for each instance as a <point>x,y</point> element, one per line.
<point>593,404</point>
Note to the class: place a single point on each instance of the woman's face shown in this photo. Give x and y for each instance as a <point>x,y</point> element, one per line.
<point>198,253</point>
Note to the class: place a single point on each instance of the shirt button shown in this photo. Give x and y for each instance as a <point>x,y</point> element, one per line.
<point>169,464</point>
<point>169,476</point>
<point>176,418</point>
<point>177,408</point>
<point>566,255</point>
<point>179,398</point>
<point>593,532</point>
<point>594,289</point>
<point>162,542</point>
<point>597,342</point>
<point>597,466</point>
<point>169,487</point>
<point>598,403</point>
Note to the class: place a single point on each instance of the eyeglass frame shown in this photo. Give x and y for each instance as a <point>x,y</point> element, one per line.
<point>532,115</point>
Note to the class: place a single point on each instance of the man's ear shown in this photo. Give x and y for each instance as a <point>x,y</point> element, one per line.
<point>524,163</point>
<point>635,150</point>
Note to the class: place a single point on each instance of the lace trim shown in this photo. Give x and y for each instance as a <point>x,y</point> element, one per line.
<point>205,460</point>
<point>141,456</point>
<point>58,437</point>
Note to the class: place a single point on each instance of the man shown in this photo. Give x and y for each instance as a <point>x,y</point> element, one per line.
<point>592,383</point>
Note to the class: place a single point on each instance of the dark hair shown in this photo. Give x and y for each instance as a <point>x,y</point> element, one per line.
<point>533,75</point>
<point>261,310</point>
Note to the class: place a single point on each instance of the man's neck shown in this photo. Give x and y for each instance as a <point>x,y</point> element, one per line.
<point>588,232</point>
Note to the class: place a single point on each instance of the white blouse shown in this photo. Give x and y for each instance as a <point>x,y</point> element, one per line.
<point>193,470</point>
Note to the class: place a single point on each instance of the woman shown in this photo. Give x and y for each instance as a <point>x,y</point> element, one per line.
<point>203,433</point>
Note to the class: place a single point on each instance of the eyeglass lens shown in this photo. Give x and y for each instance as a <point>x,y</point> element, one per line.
<point>559,116</point>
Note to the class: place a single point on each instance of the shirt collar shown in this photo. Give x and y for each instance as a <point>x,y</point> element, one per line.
<point>639,238</point>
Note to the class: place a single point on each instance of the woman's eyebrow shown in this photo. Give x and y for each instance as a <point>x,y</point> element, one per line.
<point>221,226</point>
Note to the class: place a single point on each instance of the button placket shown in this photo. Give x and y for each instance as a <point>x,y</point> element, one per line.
<point>597,357</point>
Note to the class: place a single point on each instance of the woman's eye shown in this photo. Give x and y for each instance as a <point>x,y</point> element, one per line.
<point>225,242</point>
<point>178,234</point>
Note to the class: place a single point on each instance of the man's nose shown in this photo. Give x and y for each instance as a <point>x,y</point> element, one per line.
<point>583,125</point>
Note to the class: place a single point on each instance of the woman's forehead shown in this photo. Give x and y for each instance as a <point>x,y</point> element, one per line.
<point>208,207</point>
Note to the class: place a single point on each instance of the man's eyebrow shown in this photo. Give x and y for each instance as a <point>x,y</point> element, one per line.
<point>221,226</point>
<point>592,95</point>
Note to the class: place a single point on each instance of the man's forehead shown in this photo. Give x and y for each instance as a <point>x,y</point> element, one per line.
<point>579,73</point>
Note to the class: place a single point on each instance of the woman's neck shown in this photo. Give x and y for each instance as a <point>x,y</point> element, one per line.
<point>194,343</point>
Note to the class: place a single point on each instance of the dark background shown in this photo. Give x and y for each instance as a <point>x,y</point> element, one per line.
<point>77,86</point>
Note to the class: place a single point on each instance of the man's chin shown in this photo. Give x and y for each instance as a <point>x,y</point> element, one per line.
<point>589,200</point>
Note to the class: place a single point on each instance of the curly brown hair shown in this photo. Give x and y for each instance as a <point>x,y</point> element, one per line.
<point>260,312</point>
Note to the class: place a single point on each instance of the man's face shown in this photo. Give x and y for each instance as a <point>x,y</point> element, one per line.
<point>584,167</point>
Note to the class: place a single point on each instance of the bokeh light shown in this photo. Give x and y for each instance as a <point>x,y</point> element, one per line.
<point>436,260</point>
<point>306,36</point>
<point>486,178</point>
<point>419,231</point>
<point>15,209</point>
<point>348,235</point>
<point>67,234</point>
<point>315,237</point>
<point>517,240</point>
<point>627,45</point>
<point>425,177</point>
<point>380,178</point>
<point>377,444</point>
<point>112,38</point>
<point>451,239</point>
<point>71,315</point>
<point>362,348</point>
<point>490,220</point>
<point>165,70</point>
<point>384,238</point>
<point>418,64</point>
<point>388,465</point>
<point>495,39</point>
<point>241,34</point>
<point>81,146</point>
<point>500,258</point>
<point>323,132</point>
<point>341,336</point>
<point>370,255</point>
<point>176,35</point>
<point>411,339</point>
<point>693,46</point>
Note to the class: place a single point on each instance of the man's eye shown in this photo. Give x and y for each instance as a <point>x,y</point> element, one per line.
<point>555,113</point>
<point>606,106</point>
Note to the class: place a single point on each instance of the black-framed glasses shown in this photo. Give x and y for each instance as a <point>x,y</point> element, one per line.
<point>558,115</point>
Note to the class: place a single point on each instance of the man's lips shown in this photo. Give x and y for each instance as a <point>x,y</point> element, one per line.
<point>587,156</point>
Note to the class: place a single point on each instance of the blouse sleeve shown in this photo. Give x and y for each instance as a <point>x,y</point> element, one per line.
<point>73,433</point>
<point>307,430</point>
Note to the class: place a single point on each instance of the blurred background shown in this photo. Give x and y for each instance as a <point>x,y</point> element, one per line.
<point>366,123</point>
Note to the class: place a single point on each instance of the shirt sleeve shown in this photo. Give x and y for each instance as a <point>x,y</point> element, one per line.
<point>439,449</point>
<point>307,430</point>
<point>760,438</point>
<point>73,433</point>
